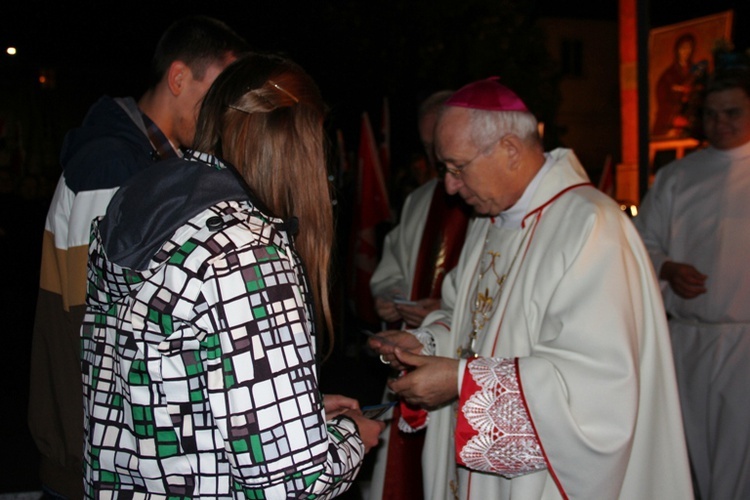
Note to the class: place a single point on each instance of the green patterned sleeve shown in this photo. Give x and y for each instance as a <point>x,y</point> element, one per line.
<point>262,385</point>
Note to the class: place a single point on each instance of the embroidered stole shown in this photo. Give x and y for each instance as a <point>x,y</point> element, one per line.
<point>442,240</point>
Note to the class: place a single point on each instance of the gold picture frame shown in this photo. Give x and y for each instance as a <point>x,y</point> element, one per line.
<point>679,55</point>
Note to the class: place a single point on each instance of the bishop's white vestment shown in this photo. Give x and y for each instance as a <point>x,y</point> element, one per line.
<point>573,394</point>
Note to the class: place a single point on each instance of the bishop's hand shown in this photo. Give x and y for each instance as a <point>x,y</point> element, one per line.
<point>430,381</point>
<point>384,343</point>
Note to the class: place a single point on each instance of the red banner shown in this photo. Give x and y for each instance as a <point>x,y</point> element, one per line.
<point>371,208</point>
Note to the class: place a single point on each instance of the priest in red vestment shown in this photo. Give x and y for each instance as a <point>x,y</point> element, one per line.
<point>406,285</point>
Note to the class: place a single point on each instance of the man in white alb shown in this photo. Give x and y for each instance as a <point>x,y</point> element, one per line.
<point>551,375</point>
<point>695,222</point>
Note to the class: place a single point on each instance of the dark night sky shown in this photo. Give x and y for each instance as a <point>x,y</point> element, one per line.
<point>98,47</point>
<point>116,41</point>
<point>108,35</point>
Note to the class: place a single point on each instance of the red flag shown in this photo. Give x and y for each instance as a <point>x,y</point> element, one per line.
<point>607,179</point>
<point>385,139</point>
<point>371,208</point>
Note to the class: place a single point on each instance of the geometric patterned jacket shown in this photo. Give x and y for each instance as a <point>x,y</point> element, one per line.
<point>198,354</point>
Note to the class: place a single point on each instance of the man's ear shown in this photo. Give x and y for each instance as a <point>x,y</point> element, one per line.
<point>177,75</point>
<point>513,147</point>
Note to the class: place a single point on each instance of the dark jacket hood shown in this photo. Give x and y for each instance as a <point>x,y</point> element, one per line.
<point>111,132</point>
<point>104,119</point>
<point>150,207</point>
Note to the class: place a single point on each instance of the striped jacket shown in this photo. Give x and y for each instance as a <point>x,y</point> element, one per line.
<point>109,147</point>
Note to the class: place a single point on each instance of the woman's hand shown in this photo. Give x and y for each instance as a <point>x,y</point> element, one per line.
<point>369,430</point>
<point>336,404</point>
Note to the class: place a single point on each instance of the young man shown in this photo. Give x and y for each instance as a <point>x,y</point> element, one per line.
<point>118,138</point>
<point>695,222</point>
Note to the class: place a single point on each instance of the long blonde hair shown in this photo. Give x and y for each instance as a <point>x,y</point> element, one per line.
<point>264,115</point>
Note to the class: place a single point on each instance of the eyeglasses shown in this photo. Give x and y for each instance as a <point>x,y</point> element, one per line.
<point>457,170</point>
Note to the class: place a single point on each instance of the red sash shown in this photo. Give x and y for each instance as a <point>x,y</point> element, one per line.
<point>442,240</point>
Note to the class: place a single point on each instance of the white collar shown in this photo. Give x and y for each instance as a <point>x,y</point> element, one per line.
<point>513,216</point>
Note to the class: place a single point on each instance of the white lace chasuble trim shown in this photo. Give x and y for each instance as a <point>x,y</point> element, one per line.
<point>493,429</point>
